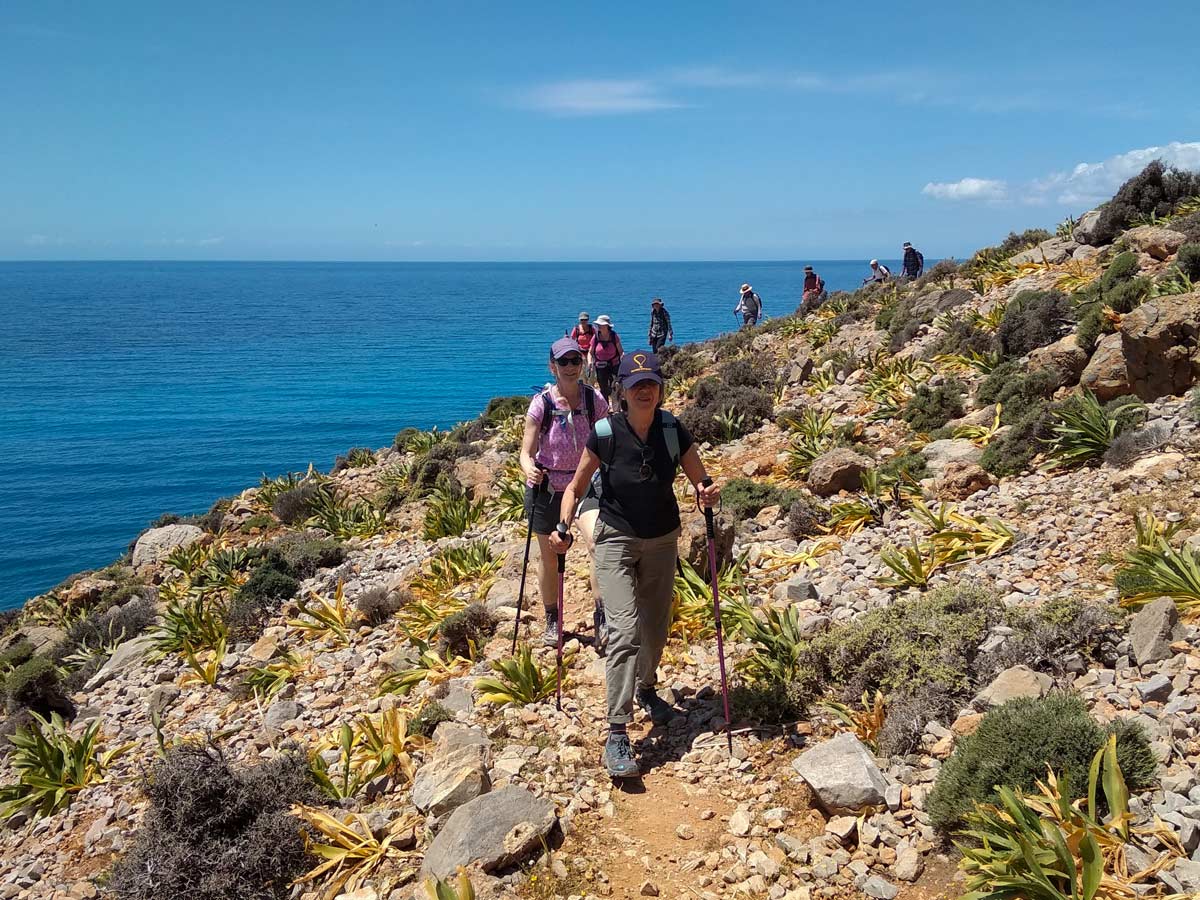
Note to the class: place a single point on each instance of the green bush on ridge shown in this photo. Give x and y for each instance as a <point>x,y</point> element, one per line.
<point>745,498</point>
<point>1155,191</point>
<point>1033,319</point>
<point>932,407</point>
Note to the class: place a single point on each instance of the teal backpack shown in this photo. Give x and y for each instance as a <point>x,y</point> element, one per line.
<point>607,445</point>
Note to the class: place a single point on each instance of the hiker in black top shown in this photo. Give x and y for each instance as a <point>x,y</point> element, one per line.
<point>636,543</point>
<point>914,262</point>
<point>660,325</point>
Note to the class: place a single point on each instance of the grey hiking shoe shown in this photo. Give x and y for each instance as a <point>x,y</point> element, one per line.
<point>656,707</point>
<point>600,641</point>
<point>550,635</point>
<point>618,756</point>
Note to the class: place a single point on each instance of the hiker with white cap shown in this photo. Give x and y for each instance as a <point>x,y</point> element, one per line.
<point>637,452</point>
<point>749,305</point>
<point>879,272</point>
<point>914,261</point>
<point>557,426</point>
<point>604,356</point>
<point>660,325</point>
<point>584,333</point>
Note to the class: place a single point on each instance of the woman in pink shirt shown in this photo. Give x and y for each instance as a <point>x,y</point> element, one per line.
<point>605,355</point>
<point>557,426</point>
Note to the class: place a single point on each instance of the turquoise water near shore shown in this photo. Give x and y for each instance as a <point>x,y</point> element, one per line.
<point>128,389</point>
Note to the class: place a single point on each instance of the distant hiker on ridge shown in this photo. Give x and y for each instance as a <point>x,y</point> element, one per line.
<point>749,305</point>
<point>660,325</point>
<point>879,272</point>
<point>814,291</point>
<point>914,261</point>
<point>605,355</point>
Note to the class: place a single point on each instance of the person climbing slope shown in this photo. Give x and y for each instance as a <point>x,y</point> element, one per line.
<point>660,325</point>
<point>557,426</point>
<point>638,452</point>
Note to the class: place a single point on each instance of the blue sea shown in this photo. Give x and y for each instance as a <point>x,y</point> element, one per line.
<point>129,389</point>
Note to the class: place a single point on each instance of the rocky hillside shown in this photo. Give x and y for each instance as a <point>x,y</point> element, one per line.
<point>960,582</point>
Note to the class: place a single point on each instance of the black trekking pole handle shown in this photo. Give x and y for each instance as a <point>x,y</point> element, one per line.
<point>708,512</point>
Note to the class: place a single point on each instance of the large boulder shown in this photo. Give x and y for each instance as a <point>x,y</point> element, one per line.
<point>449,780</point>
<point>157,543</point>
<point>1152,630</point>
<point>1064,359</point>
<point>934,303</point>
<point>126,657</point>
<point>1085,226</point>
<point>1160,342</point>
<point>940,454</point>
<point>1105,374</point>
<point>1053,251</point>
<point>837,470</point>
<point>962,479</point>
<point>1013,682</point>
<point>1155,241</point>
<point>842,774</point>
<point>494,831</point>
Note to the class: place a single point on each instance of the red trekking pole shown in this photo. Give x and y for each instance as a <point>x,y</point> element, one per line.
<point>712,574</point>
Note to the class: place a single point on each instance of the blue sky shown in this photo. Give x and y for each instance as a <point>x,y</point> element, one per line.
<point>461,131</point>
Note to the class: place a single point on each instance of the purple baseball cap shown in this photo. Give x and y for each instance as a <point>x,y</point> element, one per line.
<point>564,346</point>
<point>638,366</point>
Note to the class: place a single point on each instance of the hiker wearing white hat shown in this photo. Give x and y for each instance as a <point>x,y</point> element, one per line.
<point>749,305</point>
<point>604,356</point>
<point>879,273</point>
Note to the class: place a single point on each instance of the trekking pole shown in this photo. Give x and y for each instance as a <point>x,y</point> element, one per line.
<point>712,573</point>
<point>525,562</point>
<point>562,568</point>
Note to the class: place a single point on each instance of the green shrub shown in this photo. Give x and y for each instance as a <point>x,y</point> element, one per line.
<point>500,409</point>
<point>1015,243</point>
<point>259,521</point>
<point>428,718</point>
<point>902,322</point>
<point>463,435</point>
<point>721,412</point>
<point>1013,451</point>
<point>963,337</point>
<point>257,599</point>
<point>1188,261</point>
<point>680,364</point>
<point>1188,226</point>
<point>768,702</point>
<point>110,627</point>
<point>234,820</point>
<point>1017,741</point>
<point>904,465</point>
<point>1016,388</point>
<point>304,553</point>
<point>1091,326</point>
<point>744,498</point>
<point>942,270</point>
<point>16,653</point>
<point>1033,319</point>
<point>1123,267</point>
<point>1128,295</point>
<point>805,518</point>
<point>294,506</point>
<point>466,632</point>
<point>378,604</point>
<point>1152,192</point>
<point>931,408</point>
<point>354,458</point>
<point>35,685</point>
<point>756,372</point>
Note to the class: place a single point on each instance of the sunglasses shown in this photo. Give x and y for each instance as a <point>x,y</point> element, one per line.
<point>647,457</point>
<point>570,361</point>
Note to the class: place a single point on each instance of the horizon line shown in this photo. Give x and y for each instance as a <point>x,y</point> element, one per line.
<point>440,262</point>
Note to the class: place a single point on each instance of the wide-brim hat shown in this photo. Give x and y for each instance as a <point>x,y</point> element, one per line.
<point>639,366</point>
<point>746,288</point>
<point>604,320</point>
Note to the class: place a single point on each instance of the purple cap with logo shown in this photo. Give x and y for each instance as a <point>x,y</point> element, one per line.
<point>564,346</point>
<point>638,366</point>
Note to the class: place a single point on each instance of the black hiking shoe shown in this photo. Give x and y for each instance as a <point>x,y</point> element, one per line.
<point>618,756</point>
<point>600,642</point>
<point>550,635</point>
<point>656,707</point>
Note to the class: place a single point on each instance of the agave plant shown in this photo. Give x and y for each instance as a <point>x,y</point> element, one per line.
<point>270,488</point>
<point>971,361</point>
<point>52,766</point>
<point>692,604</point>
<point>192,624</point>
<point>450,567</point>
<point>980,435</point>
<point>353,851</point>
<point>778,654</point>
<point>451,511</point>
<point>1164,571</point>
<point>731,423</point>
<point>867,722</point>
<point>821,380</point>
<point>460,889</point>
<point>267,680</point>
<point>432,667</point>
<point>518,680</point>
<point>804,557</point>
<point>367,748</point>
<point>509,504</point>
<point>1083,430</point>
<point>344,518</point>
<point>988,321</point>
<point>912,566</point>
<point>326,618</point>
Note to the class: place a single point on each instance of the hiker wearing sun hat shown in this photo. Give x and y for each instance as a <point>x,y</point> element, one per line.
<point>605,355</point>
<point>749,305</point>
<point>557,425</point>
<point>638,452</point>
<point>914,261</point>
<point>660,325</point>
<point>814,291</point>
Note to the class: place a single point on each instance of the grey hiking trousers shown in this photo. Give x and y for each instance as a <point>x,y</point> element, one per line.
<point>636,578</point>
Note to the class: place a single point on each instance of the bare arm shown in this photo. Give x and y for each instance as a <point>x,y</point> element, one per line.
<point>529,448</point>
<point>589,462</point>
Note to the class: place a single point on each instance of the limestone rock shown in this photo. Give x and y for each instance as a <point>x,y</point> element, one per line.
<point>157,543</point>
<point>1155,241</point>
<point>1148,468</point>
<point>161,699</point>
<point>933,304</point>
<point>837,470</point>
<point>1105,374</point>
<point>1064,359</point>
<point>799,371</point>
<point>962,479</point>
<point>842,774</point>
<point>280,713</point>
<point>1053,251</point>
<point>1152,630</point>
<point>127,656</point>
<point>695,542</point>
<point>40,637</point>
<point>494,831</point>
<point>879,888</point>
<point>1159,344</point>
<point>908,865</point>
<point>1086,225</point>
<point>939,454</point>
<point>448,781</point>
<point>1013,682</point>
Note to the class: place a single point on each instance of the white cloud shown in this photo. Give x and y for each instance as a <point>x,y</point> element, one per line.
<point>986,189</point>
<point>37,240</point>
<point>1090,183</point>
<point>598,97</point>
